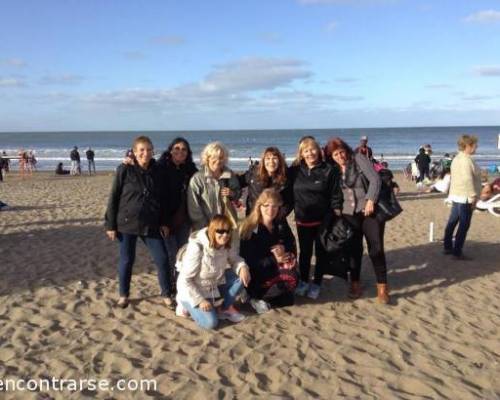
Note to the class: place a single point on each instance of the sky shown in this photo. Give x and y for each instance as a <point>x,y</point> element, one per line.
<point>235,64</point>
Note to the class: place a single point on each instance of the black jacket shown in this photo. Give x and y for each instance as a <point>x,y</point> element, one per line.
<point>255,186</point>
<point>138,203</point>
<point>178,181</point>
<point>315,191</point>
<point>74,155</point>
<point>257,250</point>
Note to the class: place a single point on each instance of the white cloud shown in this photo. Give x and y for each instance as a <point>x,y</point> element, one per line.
<point>488,70</point>
<point>484,17</point>
<point>63,79</point>
<point>169,40</point>
<point>11,82</point>
<point>479,97</point>
<point>333,25</point>
<point>13,62</point>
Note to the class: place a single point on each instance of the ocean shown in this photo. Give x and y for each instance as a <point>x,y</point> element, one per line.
<point>397,146</point>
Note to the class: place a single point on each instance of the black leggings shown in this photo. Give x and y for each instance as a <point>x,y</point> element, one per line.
<point>308,236</point>
<point>373,231</point>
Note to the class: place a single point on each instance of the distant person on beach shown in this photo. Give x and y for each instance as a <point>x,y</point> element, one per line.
<point>31,162</point>
<point>206,291</point>
<point>361,186</point>
<point>75,161</point>
<point>271,171</point>
<point>465,188</point>
<point>423,162</point>
<point>90,160</point>
<point>442,185</point>
<point>23,162</point>
<point>212,189</point>
<point>316,192</point>
<point>6,166</point>
<point>363,148</point>
<point>268,247</point>
<point>138,208</point>
<point>60,169</point>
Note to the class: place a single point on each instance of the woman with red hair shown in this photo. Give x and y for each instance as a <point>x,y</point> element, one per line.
<point>361,187</point>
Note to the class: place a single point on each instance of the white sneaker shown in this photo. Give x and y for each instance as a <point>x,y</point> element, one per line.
<point>260,306</point>
<point>231,314</point>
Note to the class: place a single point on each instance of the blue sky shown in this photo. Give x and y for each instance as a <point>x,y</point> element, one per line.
<point>161,65</point>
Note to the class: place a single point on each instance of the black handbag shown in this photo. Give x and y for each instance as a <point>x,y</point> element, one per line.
<point>388,206</point>
<point>334,233</point>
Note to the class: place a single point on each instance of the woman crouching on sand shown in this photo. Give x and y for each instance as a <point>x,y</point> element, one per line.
<point>268,246</point>
<point>361,187</point>
<point>138,208</point>
<point>204,288</point>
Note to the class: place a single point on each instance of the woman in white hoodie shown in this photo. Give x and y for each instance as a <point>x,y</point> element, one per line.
<point>207,286</point>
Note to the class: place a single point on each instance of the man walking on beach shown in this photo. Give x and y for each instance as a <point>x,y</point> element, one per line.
<point>465,188</point>
<point>363,148</point>
<point>90,160</point>
<point>75,161</point>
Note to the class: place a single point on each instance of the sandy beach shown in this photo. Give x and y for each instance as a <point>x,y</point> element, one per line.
<point>440,339</point>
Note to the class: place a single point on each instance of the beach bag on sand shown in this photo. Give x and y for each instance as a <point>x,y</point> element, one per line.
<point>334,233</point>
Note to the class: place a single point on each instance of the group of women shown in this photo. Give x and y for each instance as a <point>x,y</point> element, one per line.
<point>162,202</point>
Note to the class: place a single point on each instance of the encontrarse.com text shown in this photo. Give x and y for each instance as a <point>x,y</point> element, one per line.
<point>56,384</point>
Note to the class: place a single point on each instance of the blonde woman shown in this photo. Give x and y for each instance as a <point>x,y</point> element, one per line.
<point>204,281</point>
<point>465,188</point>
<point>212,189</point>
<point>316,192</point>
<point>268,247</point>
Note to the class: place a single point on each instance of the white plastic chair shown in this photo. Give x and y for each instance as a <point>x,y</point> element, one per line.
<point>492,205</point>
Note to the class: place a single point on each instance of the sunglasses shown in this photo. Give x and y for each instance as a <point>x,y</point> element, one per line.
<point>223,231</point>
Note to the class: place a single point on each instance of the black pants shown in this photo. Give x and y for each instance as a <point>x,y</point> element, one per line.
<point>423,173</point>
<point>308,236</point>
<point>373,231</point>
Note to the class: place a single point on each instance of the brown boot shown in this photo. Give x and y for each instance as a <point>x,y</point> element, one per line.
<point>355,290</point>
<point>383,293</point>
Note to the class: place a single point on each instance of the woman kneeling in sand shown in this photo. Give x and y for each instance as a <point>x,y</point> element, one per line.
<point>207,286</point>
<point>137,208</point>
<point>268,246</point>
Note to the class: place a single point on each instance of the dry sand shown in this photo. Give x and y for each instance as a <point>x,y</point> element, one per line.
<point>439,340</point>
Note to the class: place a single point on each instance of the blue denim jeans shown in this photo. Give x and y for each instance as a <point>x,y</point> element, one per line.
<point>157,250</point>
<point>173,243</point>
<point>461,214</point>
<point>229,291</point>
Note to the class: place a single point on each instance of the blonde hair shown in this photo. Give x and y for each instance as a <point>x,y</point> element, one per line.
<point>142,139</point>
<point>308,141</point>
<point>255,217</point>
<point>466,140</point>
<point>219,221</point>
<point>213,149</point>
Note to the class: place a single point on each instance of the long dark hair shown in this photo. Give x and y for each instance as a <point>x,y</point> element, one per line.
<point>281,173</point>
<point>166,156</point>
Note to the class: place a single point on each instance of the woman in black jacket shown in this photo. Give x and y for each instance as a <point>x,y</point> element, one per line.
<point>138,208</point>
<point>316,192</point>
<point>268,247</point>
<point>270,172</point>
<point>179,166</point>
<point>361,186</point>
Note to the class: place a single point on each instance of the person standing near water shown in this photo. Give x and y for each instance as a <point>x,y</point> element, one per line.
<point>465,187</point>
<point>90,160</point>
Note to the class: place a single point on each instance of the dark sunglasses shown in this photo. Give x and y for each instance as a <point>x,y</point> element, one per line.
<point>222,231</point>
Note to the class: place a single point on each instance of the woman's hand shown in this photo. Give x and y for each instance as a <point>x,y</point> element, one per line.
<point>369,208</point>
<point>205,305</point>
<point>226,192</point>
<point>244,276</point>
<point>111,235</point>
<point>164,231</point>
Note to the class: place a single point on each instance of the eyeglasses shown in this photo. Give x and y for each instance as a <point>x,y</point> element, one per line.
<point>222,231</point>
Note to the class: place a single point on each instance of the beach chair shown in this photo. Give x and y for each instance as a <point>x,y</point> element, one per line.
<point>492,205</point>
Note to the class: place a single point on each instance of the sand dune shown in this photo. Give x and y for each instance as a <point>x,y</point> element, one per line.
<point>439,339</point>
